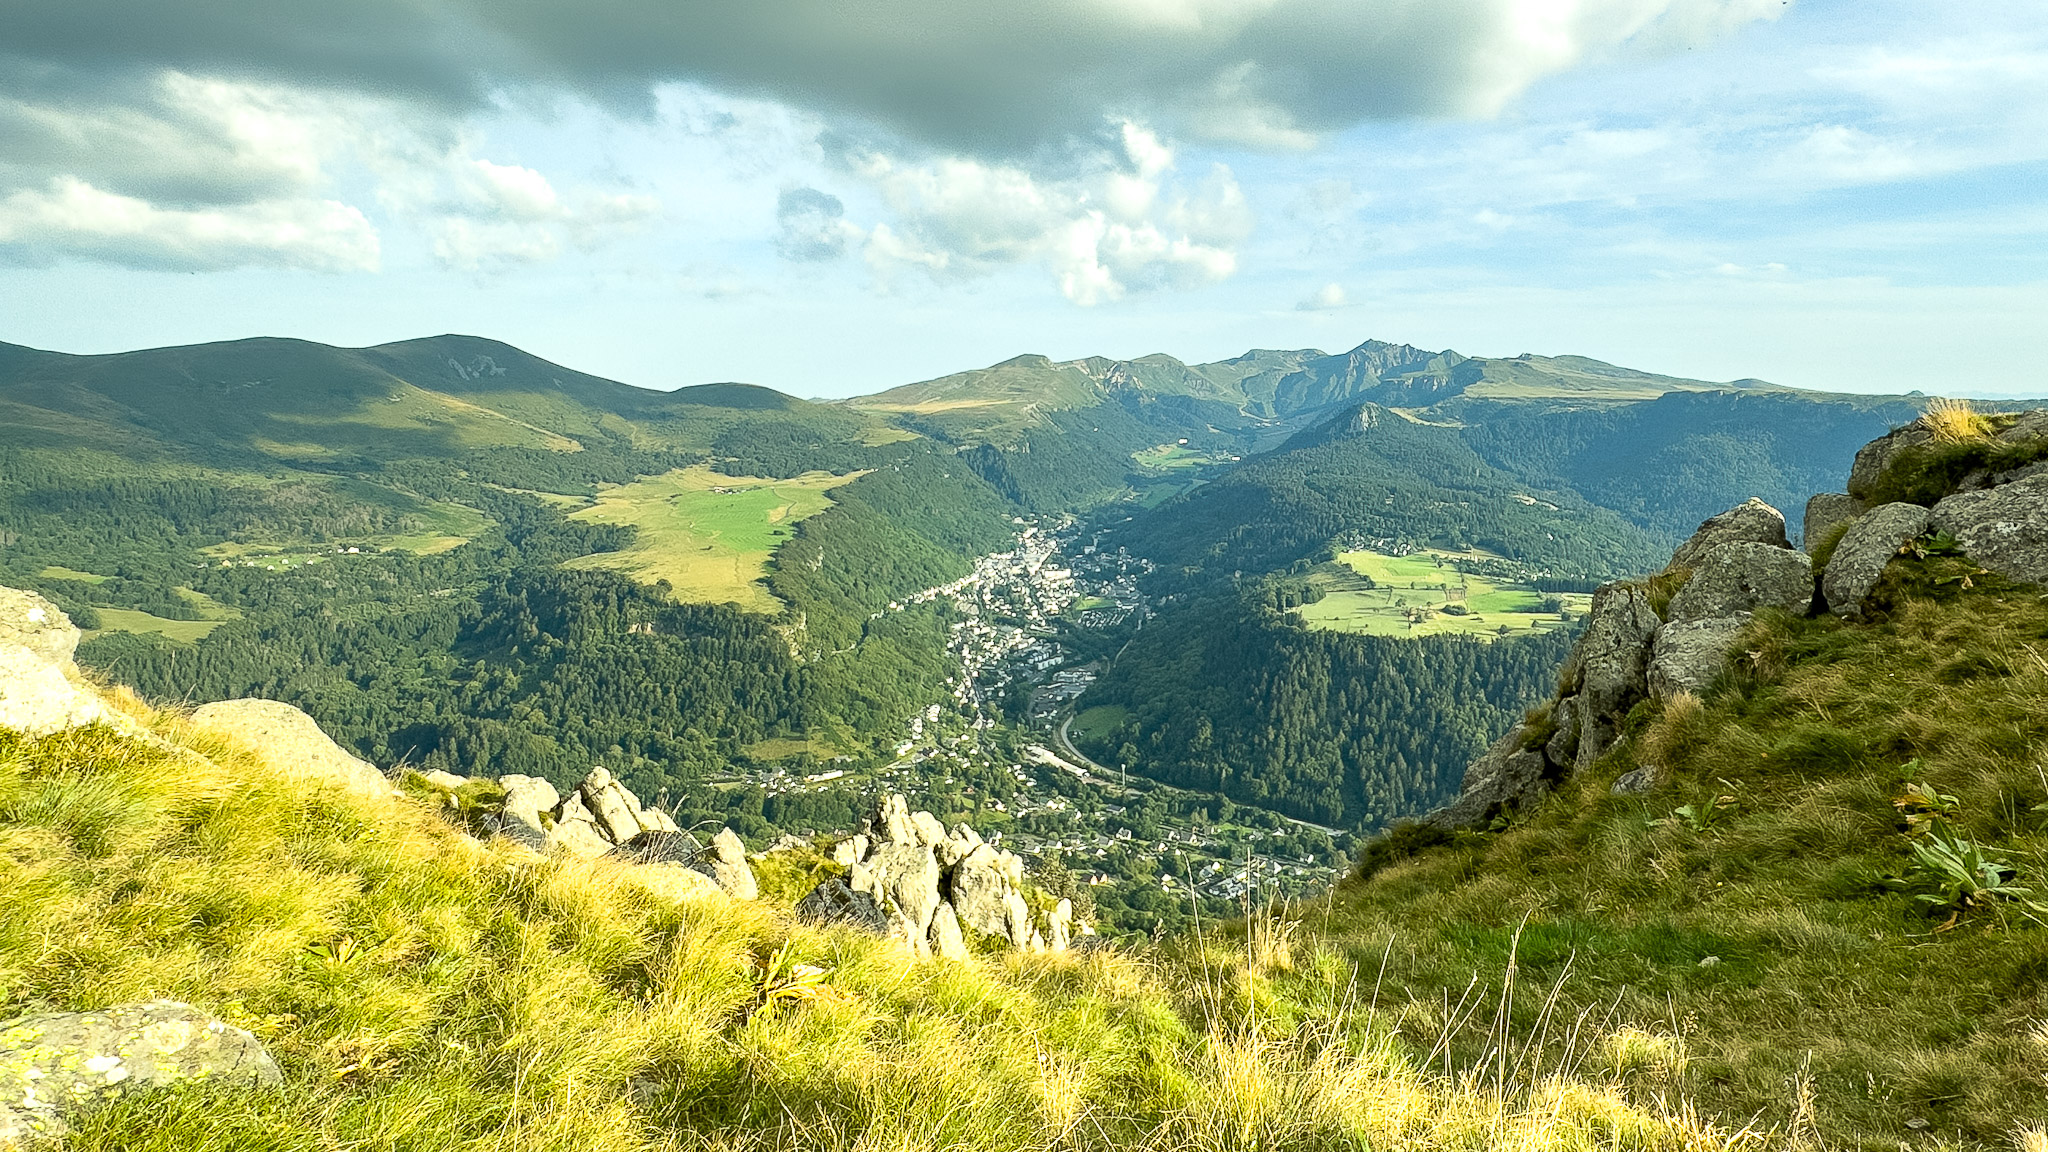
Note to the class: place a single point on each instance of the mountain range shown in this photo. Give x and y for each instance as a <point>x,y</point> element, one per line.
<point>216,508</point>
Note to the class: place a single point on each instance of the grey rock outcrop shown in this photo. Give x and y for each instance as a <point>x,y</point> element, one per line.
<point>1824,511</point>
<point>52,1065</point>
<point>526,798</point>
<point>675,882</point>
<point>1509,775</point>
<point>932,887</point>
<point>1609,664</point>
<point>28,620</point>
<point>1734,579</point>
<point>1687,655</point>
<point>2005,528</point>
<point>616,811</point>
<point>1751,522</point>
<point>575,830</point>
<point>947,941</point>
<point>1874,458</point>
<point>37,698</point>
<point>1737,563</point>
<point>726,862</point>
<point>834,902</point>
<point>1870,544</point>
<point>291,743</point>
<point>40,691</point>
<point>679,848</point>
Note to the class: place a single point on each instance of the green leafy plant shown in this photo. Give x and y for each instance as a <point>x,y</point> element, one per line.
<point>1953,873</point>
<point>1700,817</point>
<point>1923,808</point>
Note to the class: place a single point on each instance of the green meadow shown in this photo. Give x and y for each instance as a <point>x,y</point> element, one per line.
<point>1424,594</point>
<point>709,535</point>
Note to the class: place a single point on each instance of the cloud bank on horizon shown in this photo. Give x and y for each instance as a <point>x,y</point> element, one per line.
<point>201,135</point>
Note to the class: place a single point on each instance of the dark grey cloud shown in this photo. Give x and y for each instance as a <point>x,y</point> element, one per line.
<point>810,225</point>
<point>981,76</point>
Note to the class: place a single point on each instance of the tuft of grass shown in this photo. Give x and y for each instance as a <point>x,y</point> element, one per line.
<point>1824,548</point>
<point>1954,421</point>
<point>1659,589</point>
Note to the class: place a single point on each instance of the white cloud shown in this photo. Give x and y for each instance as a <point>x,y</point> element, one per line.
<point>1118,225</point>
<point>1325,299</point>
<point>73,218</point>
<point>983,77</point>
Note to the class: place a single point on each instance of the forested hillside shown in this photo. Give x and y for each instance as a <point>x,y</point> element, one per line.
<point>1669,463</point>
<point>1372,473</point>
<point>1349,731</point>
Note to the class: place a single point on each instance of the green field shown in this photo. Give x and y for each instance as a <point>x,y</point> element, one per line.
<point>1095,724</point>
<point>1408,596</point>
<point>709,535</point>
<point>186,631</point>
<point>1174,458</point>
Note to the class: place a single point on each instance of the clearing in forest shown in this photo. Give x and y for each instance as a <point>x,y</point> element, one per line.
<point>708,534</point>
<point>1424,594</point>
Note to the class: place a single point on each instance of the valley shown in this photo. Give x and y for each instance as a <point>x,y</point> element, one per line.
<point>972,589</point>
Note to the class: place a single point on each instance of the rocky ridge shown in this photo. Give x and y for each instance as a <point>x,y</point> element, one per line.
<point>1982,491</point>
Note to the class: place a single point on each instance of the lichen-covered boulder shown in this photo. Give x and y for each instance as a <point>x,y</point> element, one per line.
<point>1866,549</point>
<point>947,941</point>
<point>1823,512</point>
<point>1874,458</point>
<point>575,830</point>
<point>675,882</point>
<point>37,698</point>
<point>1610,663</point>
<point>726,862</point>
<point>1509,775</point>
<point>679,848</point>
<point>526,797</point>
<point>1688,654</point>
<point>616,811</point>
<point>37,625</point>
<point>1732,579</point>
<point>835,902</point>
<point>2005,528</point>
<point>53,1064</point>
<point>906,878</point>
<point>291,743</point>
<point>981,885</point>
<point>850,851</point>
<point>1751,522</point>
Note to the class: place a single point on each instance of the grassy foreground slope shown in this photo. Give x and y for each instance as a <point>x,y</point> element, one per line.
<point>1838,894</point>
<point>423,991</point>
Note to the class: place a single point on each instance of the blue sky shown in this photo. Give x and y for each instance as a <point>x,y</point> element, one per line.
<point>1835,195</point>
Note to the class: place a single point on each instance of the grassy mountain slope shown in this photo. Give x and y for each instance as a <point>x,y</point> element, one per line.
<point>422,991</point>
<point>261,401</point>
<point>1806,896</point>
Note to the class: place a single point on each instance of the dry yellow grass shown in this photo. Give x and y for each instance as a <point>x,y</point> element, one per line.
<point>1954,421</point>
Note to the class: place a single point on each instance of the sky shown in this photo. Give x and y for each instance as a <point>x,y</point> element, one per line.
<point>833,198</point>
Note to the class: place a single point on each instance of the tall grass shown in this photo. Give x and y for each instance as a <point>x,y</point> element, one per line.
<point>424,991</point>
<point>1764,904</point>
<point>1954,421</point>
